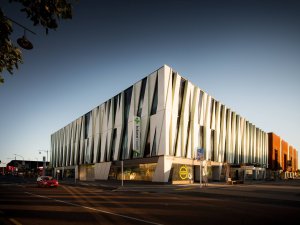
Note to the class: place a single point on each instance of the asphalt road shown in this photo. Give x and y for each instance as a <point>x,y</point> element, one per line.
<point>22,202</point>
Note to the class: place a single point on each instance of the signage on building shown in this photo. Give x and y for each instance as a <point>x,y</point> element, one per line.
<point>185,173</point>
<point>137,134</point>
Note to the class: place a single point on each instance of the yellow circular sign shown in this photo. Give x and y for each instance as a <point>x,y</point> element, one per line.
<point>183,172</point>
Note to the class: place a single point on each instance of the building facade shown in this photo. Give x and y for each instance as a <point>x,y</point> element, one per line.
<point>282,156</point>
<point>153,131</point>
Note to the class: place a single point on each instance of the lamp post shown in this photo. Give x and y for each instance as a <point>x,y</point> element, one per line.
<point>23,41</point>
<point>36,167</point>
<point>19,156</point>
<point>200,156</point>
<point>44,161</point>
<point>40,151</point>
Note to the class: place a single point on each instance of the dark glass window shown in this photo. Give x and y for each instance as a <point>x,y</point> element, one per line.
<point>99,150</point>
<point>87,124</point>
<point>106,150</point>
<point>124,142</point>
<point>221,114</point>
<point>127,101</point>
<point>119,98</point>
<point>142,94</point>
<point>212,144</point>
<point>181,94</point>
<point>78,145</point>
<point>199,105</point>
<point>188,135</point>
<point>147,147</point>
<point>177,131</point>
<point>201,137</point>
<point>131,147</point>
<point>173,83</point>
<point>173,78</point>
<point>153,152</point>
<point>211,113</point>
<point>155,99</point>
<point>188,128</point>
<point>108,103</point>
<point>115,99</point>
<point>113,145</point>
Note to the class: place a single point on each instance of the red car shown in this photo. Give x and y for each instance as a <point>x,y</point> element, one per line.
<point>46,181</point>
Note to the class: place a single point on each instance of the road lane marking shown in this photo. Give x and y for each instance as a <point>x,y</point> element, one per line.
<point>185,188</point>
<point>15,221</point>
<point>94,209</point>
<point>11,219</point>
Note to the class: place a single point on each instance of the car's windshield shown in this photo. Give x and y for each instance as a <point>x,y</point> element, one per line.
<point>47,178</point>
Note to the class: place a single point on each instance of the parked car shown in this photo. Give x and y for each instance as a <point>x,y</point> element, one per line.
<point>46,181</point>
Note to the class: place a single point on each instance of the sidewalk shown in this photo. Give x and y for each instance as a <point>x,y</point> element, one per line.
<point>116,185</point>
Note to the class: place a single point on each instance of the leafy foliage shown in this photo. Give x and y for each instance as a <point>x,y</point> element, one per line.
<point>45,13</point>
<point>10,54</point>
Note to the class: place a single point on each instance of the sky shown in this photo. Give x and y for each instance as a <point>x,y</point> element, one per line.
<point>246,54</point>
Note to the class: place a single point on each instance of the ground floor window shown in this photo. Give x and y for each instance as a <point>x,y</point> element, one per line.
<point>143,172</point>
<point>181,172</point>
<point>69,173</point>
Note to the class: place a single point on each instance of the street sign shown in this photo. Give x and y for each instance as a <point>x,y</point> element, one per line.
<point>200,154</point>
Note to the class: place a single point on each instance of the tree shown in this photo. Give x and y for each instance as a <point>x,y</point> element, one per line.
<point>45,13</point>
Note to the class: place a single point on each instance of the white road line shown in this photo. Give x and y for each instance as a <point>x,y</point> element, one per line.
<point>11,219</point>
<point>94,209</point>
<point>14,221</point>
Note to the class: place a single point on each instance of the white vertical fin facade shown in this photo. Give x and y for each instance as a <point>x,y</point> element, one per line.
<point>176,118</point>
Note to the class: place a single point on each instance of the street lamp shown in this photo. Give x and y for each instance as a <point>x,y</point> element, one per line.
<point>44,162</point>
<point>23,41</point>
<point>19,156</point>
<point>40,151</point>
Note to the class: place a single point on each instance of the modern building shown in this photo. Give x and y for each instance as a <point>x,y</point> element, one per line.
<point>282,156</point>
<point>157,130</point>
